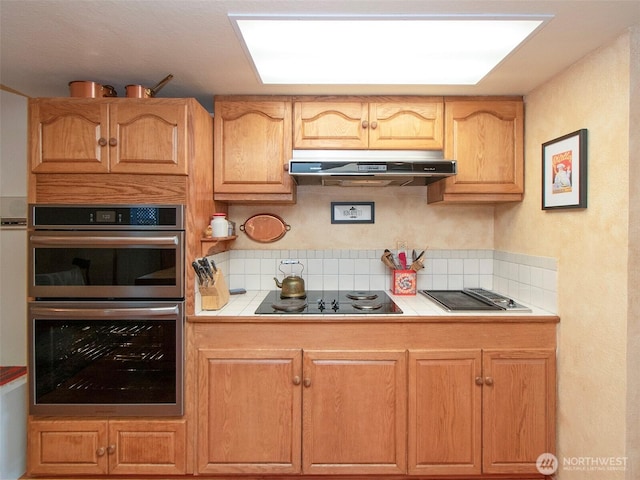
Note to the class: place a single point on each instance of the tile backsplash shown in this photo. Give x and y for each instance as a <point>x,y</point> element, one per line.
<point>530,279</point>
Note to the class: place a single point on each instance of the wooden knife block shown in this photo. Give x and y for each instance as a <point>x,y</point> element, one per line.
<point>216,296</point>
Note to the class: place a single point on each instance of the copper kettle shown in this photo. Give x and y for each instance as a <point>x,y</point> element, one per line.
<point>292,285</point>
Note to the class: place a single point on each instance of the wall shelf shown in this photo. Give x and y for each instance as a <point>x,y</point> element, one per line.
<point>211,246</point>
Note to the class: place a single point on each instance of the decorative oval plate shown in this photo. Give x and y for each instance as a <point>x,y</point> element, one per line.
<point>265,228</point>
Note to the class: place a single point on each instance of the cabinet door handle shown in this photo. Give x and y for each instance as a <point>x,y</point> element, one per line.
<point>101,451</point>
<point>111,449</point>
<point>479,381</point>
<point>307,382</point>
<point>365,124</point>
<point>113,142</point>
<point>102,141</point>
<point>488,380</point>
<point>374,125</point>
<point>296,380</point>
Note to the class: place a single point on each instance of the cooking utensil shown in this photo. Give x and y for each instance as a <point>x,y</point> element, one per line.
<point>389,258</point>
<point>87,89</point>
<point>418,263</point>
<point>207,269</point>
<point>265,228</point>
<point>139,91</point>
<point>403,260</point>
<point>293,285</point>
<point>202,280</point>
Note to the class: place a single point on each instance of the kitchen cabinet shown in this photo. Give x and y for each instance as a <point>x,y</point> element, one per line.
<point>71,135</point>
<point>285,411</point>
<point>480,411</point>
<point>393,396</point>
<point>354,412</point>
<point>486,138</point>
<point>249,411</point>
<point>99,447</point>
<point>369,123</point>
<point>252,148</point>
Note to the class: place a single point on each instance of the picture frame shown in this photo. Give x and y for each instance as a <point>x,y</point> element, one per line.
<point>564,171</point>
<point>352,212</point>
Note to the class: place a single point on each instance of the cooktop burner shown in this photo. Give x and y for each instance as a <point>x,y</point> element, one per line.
<point>330,302</point>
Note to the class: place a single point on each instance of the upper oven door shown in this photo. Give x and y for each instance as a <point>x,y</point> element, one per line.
<point>98,264</point>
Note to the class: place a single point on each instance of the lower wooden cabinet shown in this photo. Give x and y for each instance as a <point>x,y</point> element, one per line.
<point>285,411</point>
<point>371,399</point>
<point>99,447</point>
<point>480,411</point>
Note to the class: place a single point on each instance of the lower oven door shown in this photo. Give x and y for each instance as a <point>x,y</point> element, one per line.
<point>106,358</point>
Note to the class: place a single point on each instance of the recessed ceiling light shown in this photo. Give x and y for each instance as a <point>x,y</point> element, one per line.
<point>457,50</point>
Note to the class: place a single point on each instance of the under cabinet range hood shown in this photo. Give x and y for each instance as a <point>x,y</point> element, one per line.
<point>369,168</point>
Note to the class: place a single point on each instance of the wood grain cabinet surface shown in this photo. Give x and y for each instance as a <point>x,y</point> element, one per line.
<point>252,148</point>
<point>71,135</point>
<point>100,447</point>
<point>480,411</point>
<point>285,411</point>
<point>427,400</point>
<point>409,123</point>
<point>486,138</point>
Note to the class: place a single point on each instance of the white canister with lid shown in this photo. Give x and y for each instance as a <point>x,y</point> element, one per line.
<point>219,225</point>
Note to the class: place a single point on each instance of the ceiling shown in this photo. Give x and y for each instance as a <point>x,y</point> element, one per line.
<point>45,44</point>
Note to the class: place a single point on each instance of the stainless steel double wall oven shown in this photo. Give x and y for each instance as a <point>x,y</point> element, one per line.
<point>106,319</point>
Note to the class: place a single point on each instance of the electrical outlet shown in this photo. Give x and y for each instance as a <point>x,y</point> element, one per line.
<point>402,245</point>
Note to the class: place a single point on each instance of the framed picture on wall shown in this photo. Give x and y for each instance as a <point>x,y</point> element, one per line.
<point>564,171</point>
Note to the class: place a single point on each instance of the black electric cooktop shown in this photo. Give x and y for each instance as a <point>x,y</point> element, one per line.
<point>330,302</point>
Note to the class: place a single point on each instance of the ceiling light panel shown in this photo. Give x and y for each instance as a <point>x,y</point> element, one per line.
<point>380,51</point>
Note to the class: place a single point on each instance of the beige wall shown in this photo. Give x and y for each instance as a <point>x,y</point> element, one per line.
<point>401,213</point>
<point>592,250</point>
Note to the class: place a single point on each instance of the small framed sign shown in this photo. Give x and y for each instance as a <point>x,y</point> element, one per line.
<point>358,212</point>
<point>564,171</point>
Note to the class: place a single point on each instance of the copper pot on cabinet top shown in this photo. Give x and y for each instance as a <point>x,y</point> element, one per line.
<point>87,89</point>
<point>139,91</point>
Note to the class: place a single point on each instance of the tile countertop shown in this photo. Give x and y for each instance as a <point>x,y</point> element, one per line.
<point>415,308</point>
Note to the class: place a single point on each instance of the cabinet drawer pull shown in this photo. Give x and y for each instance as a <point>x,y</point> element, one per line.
<point>101,451</point>
<point>296,380</point>
<point>374,125</point>
<point>479,381</point>
<point>488,380</point>
<point>102,141</point>
<point>307,382</point>
<point>113,142</point>
<point>365,124</point>
<point>111,449</point>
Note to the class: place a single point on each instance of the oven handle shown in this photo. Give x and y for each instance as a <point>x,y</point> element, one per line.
<point>97,240</point>
<point>117,313</point>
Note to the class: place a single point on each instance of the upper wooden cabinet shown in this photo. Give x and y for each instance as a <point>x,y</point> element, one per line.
<point>369,123</point>
<point>72,135</point>
<point>252,147</point>
<point>486,138</point>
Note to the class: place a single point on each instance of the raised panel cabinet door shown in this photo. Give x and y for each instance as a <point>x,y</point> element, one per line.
<point>249,408</point>
<point>519,395</point>
<point>331,125</point>
<point>486,138</point>
<point>252,147</point>
<point>68,136</point>
<point>445,412</point>
<point>149,138</point>
<point>149,447</point>
<point>354,412</point>
<point>417,124</point>
<point>67,447</point>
